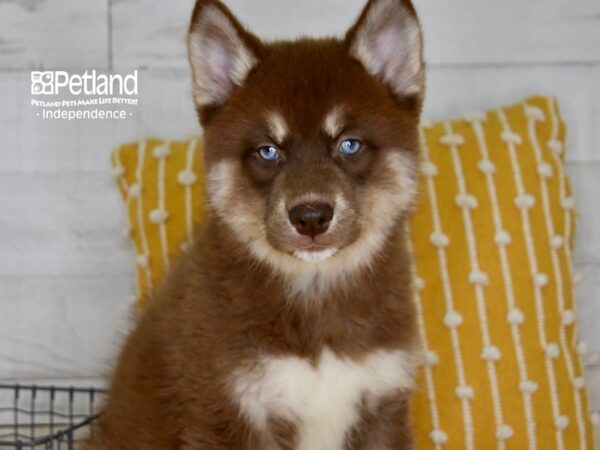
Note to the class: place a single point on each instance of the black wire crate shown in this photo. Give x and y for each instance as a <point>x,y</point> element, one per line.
<point>47,417</point>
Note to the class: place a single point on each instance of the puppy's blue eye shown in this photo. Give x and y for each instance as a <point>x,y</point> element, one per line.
<point>350,147</point>
<point>269,153</point>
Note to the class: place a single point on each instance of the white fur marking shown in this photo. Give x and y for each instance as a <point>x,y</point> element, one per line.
<point>321,255</point>
<point>333,124</point>
<point>220,182</point>
<point>277,127</point>
<point>322,400</point>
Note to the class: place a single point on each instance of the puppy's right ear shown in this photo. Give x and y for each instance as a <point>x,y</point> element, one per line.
<point>222,54</point>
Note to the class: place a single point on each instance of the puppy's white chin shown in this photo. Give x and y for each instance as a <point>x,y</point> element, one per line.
<point>320,255</point>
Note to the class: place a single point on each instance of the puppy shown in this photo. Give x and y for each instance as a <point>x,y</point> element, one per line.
<point>289,324</point>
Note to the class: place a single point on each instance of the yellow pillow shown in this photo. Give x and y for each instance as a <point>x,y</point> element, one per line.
<point>492,241</point>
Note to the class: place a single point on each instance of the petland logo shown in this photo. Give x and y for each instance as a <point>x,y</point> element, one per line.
<point>90,95</point>
<point>88,83</point>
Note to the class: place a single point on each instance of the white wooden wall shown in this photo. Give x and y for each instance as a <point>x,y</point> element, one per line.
<point>66,275</point>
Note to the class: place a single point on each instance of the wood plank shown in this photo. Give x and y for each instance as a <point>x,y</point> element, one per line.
<point>62,326</point>
<point>585,179</point>
<point>512,31</point>
<point>588,306</point>
<point>146,34</point>
<point>33,144</point>
<point>167,109</point>
<point>452,91</point>
<point>593,385</point>
<point>61,34</point>
<point>595,99</point>
<point>71,224</point>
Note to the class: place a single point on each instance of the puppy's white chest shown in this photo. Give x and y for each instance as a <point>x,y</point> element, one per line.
<point>322,400</point>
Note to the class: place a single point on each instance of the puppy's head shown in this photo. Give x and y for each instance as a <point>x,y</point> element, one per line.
<point>310,146</point>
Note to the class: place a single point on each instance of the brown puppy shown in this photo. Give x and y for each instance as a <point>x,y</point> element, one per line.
<point>289,325</point>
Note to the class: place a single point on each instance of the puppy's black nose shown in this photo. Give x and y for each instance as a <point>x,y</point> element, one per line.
<point>311,220</point>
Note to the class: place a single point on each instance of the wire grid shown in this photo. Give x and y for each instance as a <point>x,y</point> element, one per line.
<point>46,417</point>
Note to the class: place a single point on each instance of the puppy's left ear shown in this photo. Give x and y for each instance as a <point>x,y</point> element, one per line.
<point>222,54</point>
<point>388,42</point>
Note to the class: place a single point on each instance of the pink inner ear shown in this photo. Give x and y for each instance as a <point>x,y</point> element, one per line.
<point>389,53</point>
<point>219,64</point>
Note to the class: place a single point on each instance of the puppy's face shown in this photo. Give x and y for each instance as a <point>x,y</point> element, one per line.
<point>310,146</point>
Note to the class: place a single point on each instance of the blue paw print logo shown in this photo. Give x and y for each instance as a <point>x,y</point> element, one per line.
<point>42,83</point>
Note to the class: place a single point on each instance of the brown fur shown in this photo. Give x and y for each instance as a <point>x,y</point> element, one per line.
<point>222,307</point>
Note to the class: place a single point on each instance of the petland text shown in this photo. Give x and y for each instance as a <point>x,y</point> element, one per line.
<point>53,82</point>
